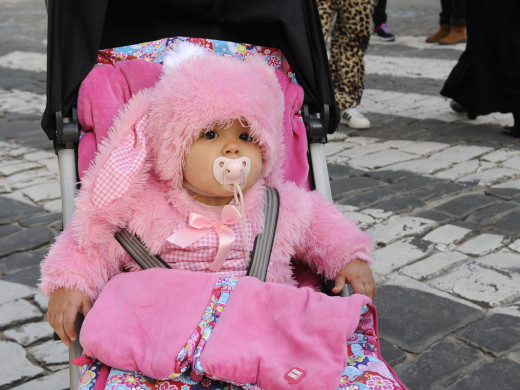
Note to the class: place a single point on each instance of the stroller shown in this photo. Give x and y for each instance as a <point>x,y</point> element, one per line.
<point>75,46</point>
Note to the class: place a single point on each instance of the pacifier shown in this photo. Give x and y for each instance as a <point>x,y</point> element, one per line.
<point>232,171</point>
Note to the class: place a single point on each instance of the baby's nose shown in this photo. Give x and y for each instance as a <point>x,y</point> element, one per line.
<point>231,148</point>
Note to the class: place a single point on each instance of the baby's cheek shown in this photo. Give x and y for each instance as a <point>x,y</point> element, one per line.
<point>257,167</point>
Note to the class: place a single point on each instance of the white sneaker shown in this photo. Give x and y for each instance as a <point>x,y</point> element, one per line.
<point>354,119</point>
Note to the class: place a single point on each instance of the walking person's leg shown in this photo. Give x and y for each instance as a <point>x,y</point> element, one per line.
<point>350,38</point>
<point>458,13</point>
<point>326,11</point>
<point>457,32</point>
<point>444,23</point>
<point>379,18</point>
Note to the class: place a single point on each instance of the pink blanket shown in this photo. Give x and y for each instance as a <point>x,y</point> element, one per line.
<point>268,334</point>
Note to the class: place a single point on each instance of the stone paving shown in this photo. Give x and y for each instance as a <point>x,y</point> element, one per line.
<point>438,192</point>
<point>445,218</point>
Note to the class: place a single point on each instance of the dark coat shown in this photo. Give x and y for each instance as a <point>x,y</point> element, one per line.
<point>486,78</point>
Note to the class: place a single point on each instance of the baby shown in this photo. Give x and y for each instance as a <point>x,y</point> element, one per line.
<point>203,143</point>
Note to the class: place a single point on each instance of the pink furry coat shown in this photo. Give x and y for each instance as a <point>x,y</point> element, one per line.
<point>136,181</point>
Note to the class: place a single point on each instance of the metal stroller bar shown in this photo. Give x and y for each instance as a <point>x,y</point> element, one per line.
<point>67,137</point>
<point>317,140</point>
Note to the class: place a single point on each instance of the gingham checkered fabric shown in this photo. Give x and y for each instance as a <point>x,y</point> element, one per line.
<point>123,164</point>
<point>199,255</point>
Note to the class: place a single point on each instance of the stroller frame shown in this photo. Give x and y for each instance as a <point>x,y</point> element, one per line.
<point>78,29</point>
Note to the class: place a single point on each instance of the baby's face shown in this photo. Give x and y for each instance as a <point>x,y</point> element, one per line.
<point>232,142</point>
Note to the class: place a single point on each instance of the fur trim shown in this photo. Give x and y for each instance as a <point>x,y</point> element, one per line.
<point>174,58</point>
<point>205,90</point>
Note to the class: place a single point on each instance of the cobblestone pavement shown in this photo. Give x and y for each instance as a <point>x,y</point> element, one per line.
<point>439,193</point>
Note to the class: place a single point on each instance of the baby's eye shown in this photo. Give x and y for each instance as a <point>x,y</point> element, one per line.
<point>245,137</point>
<point>210,134</point>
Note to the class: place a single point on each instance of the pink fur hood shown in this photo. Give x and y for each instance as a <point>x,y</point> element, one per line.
<point>136,179</point>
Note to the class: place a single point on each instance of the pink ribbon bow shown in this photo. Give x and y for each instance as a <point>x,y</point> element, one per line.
<point>200,225</point>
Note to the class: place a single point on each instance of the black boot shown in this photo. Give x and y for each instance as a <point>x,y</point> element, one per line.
<point>514,130</point>
<point>458,108</point>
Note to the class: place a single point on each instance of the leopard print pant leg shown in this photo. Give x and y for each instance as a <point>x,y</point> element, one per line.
<point>349,41</point>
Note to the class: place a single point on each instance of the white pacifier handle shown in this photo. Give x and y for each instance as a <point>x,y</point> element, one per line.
<point>231,171</point>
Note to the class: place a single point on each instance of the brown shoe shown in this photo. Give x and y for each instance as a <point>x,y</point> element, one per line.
<point>457,34</point>
<point>444,30</point>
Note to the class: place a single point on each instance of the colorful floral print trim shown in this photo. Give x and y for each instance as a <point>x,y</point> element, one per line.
<point>125,380</point>
<point>365,370</point>
<point>190,354</point>
<point>89,375</point>
<point>122,380</point>
<point>154,51</point>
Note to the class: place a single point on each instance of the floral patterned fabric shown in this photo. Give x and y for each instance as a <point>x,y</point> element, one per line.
<point>119,380</point>
<point>190,354</point>
<point>154,51</point>
<point>365,369</point>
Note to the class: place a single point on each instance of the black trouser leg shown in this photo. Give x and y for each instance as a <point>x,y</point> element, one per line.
<point>445,15</point>
<point>379,16</point>
<point>458,13</point>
